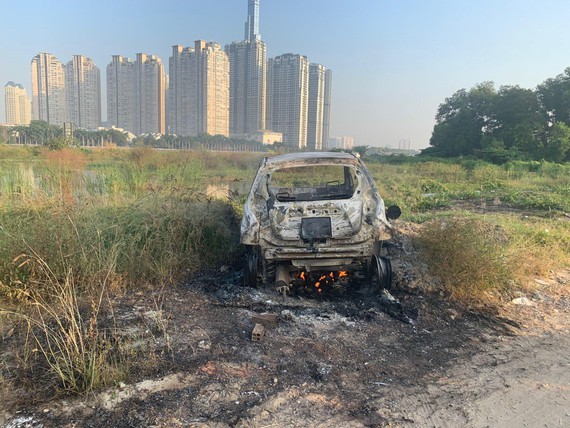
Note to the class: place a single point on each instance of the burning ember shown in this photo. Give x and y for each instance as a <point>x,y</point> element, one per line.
<point>319,282</point>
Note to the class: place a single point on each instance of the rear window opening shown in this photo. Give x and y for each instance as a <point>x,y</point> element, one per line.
<point>312,183</point>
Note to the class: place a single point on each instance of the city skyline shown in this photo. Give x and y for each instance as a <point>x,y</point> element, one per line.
<point>393,63</point>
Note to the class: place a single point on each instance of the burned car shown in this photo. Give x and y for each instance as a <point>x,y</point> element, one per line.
<point>315,212</point>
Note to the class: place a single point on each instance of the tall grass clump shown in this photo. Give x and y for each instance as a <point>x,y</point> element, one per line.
<point>67,342</point>
<point>153,241</point>
<point>469,256</point>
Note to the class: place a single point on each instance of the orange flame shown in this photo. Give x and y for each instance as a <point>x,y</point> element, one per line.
<point>325,280</point>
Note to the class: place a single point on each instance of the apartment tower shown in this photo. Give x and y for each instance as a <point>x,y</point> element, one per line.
<point>18,104</point>
<point>248,78</point>
<point>83,92</point>
<point>316,107</point>
<point>287,98</point>
<point>199,89</point>
<point>150,88</point>
<point>121,93</point>
<point>136,93</point>
<point>327,108</point>
<point>48,89</point>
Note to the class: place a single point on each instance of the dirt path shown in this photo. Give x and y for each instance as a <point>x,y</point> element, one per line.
<point>344,362</point>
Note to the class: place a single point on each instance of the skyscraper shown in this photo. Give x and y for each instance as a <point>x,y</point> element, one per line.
<point>18,104</point>
<point>287,98</point>
<point>121,93</point>
<point>327,108</point>
<point>248,78</point>
<point>150,88</point>
<point>136,94</point>
<point>48,89</point>
<point>181,73</point>
<point>316,106</point>
<point>83,92</point>
<point>248,86</point>
<point>199,89</point>
<point>252,23</point>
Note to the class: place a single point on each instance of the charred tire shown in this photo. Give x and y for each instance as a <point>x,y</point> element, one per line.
<point>251,267</point>
<point>380,274</point>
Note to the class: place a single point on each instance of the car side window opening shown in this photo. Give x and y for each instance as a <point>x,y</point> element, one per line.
<point>312,183</point>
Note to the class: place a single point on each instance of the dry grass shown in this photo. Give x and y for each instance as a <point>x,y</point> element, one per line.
<point>469,256</point>
<point>66,336</point>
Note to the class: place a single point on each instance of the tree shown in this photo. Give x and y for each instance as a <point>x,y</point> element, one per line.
<point>361,150</point>
<point>554,96</point>
<point>557,147</point>
<point>462,121</point>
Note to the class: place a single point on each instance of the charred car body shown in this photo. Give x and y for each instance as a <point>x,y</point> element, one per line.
<point>315,212</point>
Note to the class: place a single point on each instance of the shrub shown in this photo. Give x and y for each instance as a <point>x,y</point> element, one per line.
<point>468,255</point>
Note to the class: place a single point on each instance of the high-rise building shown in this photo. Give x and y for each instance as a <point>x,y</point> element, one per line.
<point>83,91</point>
<point>48,89</point>
<point>252,23</point>
<point>287,98</point>
<point>182,73</point>
<point>316,106</point>
<point>136,94</point>
<point>18,104</point>
<point>248,86</point>
<point>199,90</point>
<point>150,88</point>
<point>248,78</point>
<point>121,93</point>
<point>327,108</point>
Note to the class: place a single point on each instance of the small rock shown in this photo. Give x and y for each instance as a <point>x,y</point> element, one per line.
<point>523,301</point>
<point>286,314</point>
<point>541,282</point>
<point>202,344</point>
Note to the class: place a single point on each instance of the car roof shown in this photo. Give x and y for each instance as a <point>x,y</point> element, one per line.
<point>304,158</point>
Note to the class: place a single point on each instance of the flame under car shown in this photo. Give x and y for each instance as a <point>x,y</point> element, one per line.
<point>315,212</point>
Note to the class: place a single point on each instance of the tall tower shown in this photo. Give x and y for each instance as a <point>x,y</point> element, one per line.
<point>287,99</point>
<point>18,104</point>
<point>252,23</point>
<point>316,106</point>
<point>248,78</point>
<point>150,88</point>
<point>48,89</point>
<point>199,89</point>
<point>248,86</point>
<point>121,93</point>
<point>83,92</point>
<point>327,108</point>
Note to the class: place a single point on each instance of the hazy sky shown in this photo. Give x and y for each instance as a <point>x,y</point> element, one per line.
<point>394,61</point>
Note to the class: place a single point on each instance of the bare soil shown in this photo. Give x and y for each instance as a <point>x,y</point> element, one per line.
<point>348,361</point>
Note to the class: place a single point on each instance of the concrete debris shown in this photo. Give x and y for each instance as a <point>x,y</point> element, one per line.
<point>258,333</point>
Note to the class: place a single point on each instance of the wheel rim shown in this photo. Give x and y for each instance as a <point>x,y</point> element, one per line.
<point>251,269</point>
<point>381,274</point>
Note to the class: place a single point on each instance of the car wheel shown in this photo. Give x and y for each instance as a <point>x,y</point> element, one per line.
<point>251,267</point>
<point>380,274</point>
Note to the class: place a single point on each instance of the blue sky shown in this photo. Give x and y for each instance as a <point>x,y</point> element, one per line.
<point>394,61</point>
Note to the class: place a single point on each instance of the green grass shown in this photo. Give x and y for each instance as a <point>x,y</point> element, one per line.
<point>425,186</point>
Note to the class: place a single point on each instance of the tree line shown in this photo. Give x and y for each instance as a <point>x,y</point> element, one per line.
<point>43,134</point>
<point>511,123</point>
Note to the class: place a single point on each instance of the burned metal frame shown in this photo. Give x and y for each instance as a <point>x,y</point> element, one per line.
<point>283,234</point>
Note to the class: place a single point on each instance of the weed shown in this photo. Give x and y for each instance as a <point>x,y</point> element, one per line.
<point>73,346</point>
<point>469,257</point>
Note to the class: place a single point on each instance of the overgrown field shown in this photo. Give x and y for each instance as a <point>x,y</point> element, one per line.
<point>77,226</point>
